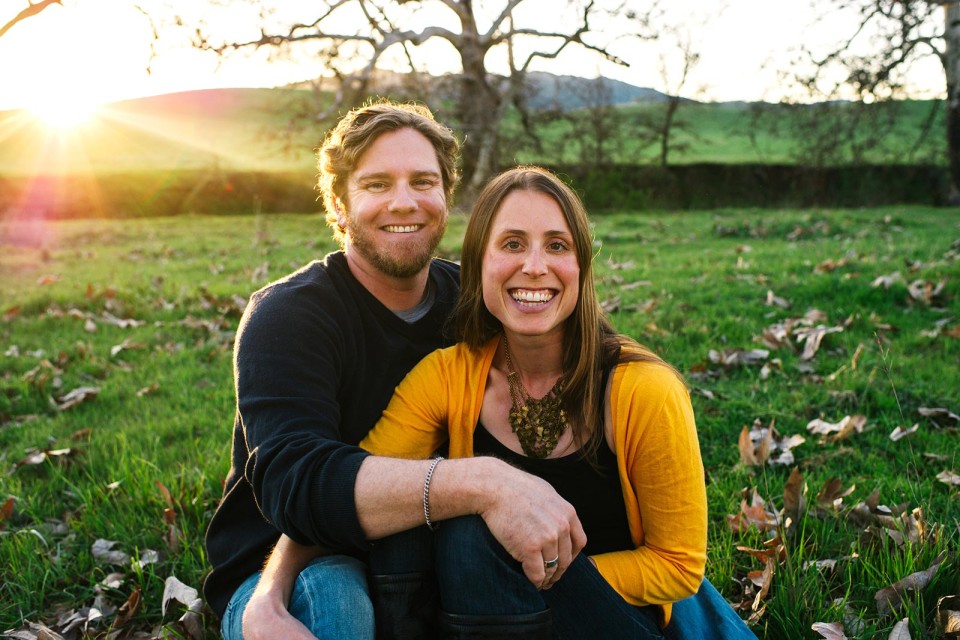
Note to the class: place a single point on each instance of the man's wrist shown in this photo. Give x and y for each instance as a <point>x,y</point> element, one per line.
<point>482,478</point>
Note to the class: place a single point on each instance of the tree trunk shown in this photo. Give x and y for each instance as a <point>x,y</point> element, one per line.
<point>952,69</point>
<point>672,106</point>
<point>477,114</point>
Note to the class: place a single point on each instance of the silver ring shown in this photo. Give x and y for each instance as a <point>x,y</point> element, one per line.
<point>550,564</point>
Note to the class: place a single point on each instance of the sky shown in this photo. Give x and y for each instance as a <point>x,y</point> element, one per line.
<point>87,52</point>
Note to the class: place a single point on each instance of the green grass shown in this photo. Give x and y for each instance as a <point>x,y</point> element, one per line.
<point>704,278</point>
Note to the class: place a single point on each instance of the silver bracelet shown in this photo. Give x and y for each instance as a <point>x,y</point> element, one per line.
<point>426,493</point>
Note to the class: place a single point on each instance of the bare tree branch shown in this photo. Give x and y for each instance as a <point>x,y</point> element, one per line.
<point>32,9</point>
<point>351,38</point>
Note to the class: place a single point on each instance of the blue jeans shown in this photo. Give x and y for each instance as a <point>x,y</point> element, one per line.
<point>477,577</point>
<point>708,616</point>
<point>330,598</point>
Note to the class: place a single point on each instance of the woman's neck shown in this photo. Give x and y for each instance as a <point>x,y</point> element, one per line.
<point>538,360</point>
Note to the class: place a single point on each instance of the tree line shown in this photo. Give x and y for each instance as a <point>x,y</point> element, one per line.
<point>354,38</point>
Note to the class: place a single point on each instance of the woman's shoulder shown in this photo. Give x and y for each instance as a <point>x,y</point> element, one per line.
<point>651,376</point>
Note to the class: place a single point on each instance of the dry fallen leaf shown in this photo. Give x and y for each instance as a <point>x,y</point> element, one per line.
<point>900,432</point>
<point>75,397</point>
<point>753,513</point>
<point>738,357</point>
<point>832,493</point>
<point>33,631</point>
<point>890,598</point>
<point>901,630</point>
<point>759,445</point>
<point>794,500</point>
<point>104,552</point>
<point>6,511</point>
<point>948,477</point>
<point>776,301</point>
<point>148,390</point>
<point>839,431</point>
<point>128,609</point>
<point>948,617</point>
<point>127,344</point>
<point>192,619</point>
<point>887,280</point>
<point>812,337</point>
<point>829,630</point>
<point>944,414</point>
<point>925,290</point>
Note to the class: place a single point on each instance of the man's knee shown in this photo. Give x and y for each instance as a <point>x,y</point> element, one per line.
<point>331,598</point>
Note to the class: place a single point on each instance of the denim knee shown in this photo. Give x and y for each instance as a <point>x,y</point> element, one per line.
<point>477,576</point>
<point>331,598</point>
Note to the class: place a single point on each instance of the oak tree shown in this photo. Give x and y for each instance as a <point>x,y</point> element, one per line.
<point>355,39</point>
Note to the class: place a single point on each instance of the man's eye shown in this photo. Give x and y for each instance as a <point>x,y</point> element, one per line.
<point>375,186</point>
<point>424,184</point>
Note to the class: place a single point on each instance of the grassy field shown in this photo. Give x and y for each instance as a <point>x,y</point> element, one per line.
<point>273,130</point>
<point>139,315</point>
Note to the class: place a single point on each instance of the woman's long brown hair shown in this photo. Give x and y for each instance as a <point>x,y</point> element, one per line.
<point>589,340</point>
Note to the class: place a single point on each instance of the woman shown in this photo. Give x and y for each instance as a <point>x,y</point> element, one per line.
<point>553,389</point>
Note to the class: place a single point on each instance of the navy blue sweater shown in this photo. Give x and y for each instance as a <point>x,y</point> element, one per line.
<point>316,361</point>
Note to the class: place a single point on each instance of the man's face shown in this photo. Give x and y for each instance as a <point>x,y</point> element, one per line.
<point>396,209</point>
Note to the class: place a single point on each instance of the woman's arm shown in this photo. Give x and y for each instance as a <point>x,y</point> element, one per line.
<point>664,492</point>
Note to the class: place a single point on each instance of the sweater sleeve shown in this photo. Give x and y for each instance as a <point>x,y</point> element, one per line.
<point>288,363</point>
<point>414,424</point>
<point>438,401</point>
<point>662,478</point>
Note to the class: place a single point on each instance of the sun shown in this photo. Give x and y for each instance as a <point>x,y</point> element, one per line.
<point>62,113</point>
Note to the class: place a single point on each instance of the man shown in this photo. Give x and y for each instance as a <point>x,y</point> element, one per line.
<point>317,357</point>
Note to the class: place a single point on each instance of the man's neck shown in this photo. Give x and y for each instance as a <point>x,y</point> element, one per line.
<point>396,294</point>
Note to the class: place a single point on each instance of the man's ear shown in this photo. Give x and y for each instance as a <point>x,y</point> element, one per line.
<point>341,218</point>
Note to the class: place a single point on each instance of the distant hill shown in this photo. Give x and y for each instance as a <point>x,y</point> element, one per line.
<point>572,92</point>
<point>545,90</point>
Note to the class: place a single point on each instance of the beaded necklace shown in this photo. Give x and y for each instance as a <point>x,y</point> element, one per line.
<point>537,423</point>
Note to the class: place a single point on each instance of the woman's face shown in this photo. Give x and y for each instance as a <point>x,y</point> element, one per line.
<point>529,270</point>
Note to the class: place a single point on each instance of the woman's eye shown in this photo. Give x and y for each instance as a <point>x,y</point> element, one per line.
<point>558,246</point>
<point>512,245</point>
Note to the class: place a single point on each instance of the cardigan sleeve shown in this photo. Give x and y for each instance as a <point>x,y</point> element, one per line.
<point>438,401</point>
<point>662,477</point>
<point>414,424</point>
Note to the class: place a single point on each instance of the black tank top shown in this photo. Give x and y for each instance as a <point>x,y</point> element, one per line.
<point>594,492</point>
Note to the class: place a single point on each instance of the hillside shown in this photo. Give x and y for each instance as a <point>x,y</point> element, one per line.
<point>274,130</point>
<point>241,129</point>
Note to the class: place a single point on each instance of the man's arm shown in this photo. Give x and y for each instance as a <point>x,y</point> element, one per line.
<point>524,513</point>
<point>266,616</point>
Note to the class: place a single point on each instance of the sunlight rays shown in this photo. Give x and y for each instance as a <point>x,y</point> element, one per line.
<point>185,133</point>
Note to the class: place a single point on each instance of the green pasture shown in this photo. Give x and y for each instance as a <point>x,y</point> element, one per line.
<point>275,130</point>
<point>144,312</point>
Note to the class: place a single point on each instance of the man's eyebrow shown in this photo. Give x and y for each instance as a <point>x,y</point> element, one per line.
<point>386,175</point>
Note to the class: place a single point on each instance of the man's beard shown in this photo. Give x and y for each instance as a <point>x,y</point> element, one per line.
<point>406,260</point>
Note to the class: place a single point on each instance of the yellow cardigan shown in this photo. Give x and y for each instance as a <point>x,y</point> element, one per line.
<point>658,459</point>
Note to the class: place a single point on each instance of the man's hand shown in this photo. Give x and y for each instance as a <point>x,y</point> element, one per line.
<point>524,513</point>
<point>266,617</point>
<point>534,524</point>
